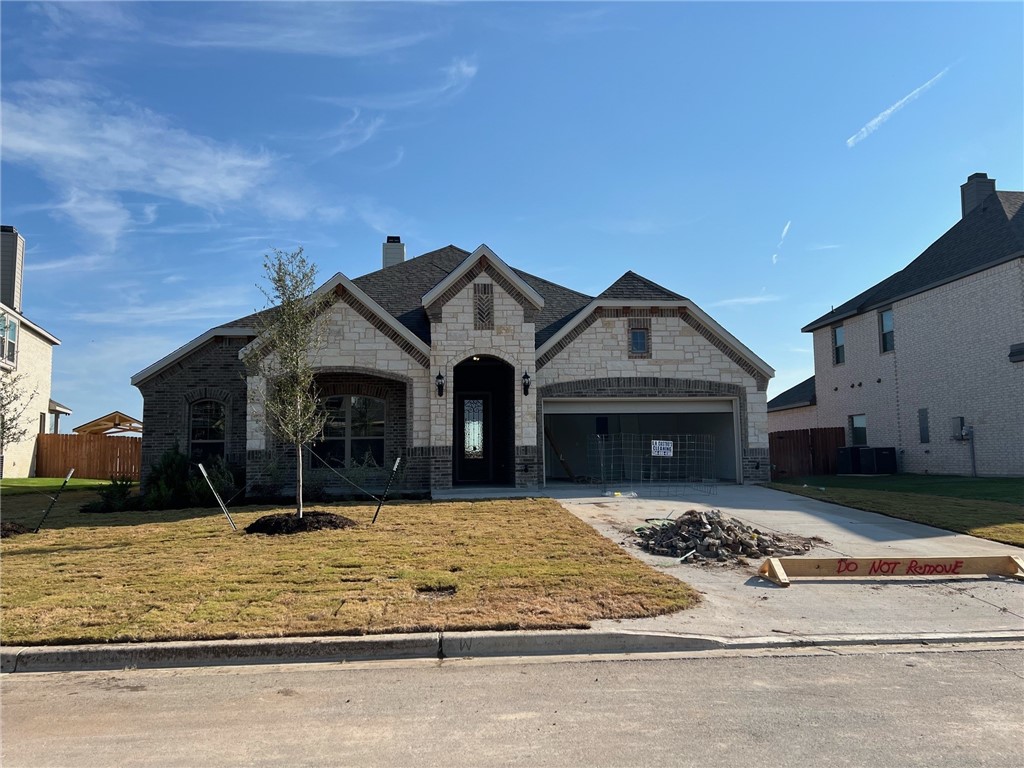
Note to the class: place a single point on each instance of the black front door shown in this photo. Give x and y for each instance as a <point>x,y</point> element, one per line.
<point>474,442</point>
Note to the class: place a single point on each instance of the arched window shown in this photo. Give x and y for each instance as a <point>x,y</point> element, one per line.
<point>354,433</point>
<point>206,430</point>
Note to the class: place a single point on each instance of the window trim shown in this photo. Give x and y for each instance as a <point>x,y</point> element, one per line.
<point>639,325</point>
<point>348,438</point>
<point>838,350</point>
<point>882,332</point>
<point>854,428</point>
<point>193,442</point>
<point>9,347</point>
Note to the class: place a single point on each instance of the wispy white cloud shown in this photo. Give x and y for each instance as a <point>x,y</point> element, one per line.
<point>455,78</point>
<point>93,19</point>
<point>875,123</point>
<point>94,147</point>
<point>785,231</point>
<point>825,247</point>
<point>395,161</point>
<point>743,301</point>
<point>782,239</point>
<point>212,305</point>
<point>84,263</point>
<point>338,30</point>
<point>353,132</point>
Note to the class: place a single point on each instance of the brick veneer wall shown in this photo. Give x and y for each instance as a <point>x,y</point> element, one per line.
<point>951,357</point>
<point>211,372</point>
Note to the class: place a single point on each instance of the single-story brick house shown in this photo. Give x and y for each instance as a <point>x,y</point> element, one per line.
<point>472,372</point>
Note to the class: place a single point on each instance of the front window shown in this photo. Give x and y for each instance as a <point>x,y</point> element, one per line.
<point>207,430</point>
<point>887,341</point>
<point>8,339</point>
<point>838,345</point>
<point>353,435</point>
<point>859,429</point>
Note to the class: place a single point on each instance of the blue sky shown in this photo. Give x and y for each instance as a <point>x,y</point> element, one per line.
<point>765,160</point>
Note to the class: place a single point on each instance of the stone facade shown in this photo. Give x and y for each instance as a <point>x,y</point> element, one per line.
<point>482,311</point>
<point>682,362</point>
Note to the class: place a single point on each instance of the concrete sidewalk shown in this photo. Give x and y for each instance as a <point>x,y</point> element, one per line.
<point>740,611</point>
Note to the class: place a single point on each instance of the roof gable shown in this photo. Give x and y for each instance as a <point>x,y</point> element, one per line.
<point>634,286</point>
<point>484,257</point>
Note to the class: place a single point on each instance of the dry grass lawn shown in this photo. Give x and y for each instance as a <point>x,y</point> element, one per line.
<point>994,520</point>
<point>509,564</point>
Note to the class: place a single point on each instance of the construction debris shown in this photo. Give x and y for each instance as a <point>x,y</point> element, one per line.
<point>704,537</point>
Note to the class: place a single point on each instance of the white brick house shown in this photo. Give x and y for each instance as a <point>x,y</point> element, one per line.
<point>26,349</point>
<point>472,372</point>
<point>931,360</point>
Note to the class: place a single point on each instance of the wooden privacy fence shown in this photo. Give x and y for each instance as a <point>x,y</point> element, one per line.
<point>804,452</point>
<point>98,457</point>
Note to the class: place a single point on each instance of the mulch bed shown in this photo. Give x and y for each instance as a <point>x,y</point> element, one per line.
<point>289,522</point>
<point>12,529</point>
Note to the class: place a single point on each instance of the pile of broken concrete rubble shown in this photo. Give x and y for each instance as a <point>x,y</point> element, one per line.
<point>710,536</point>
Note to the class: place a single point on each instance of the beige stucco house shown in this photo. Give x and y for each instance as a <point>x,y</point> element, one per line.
<point>474,372</point>
<point>25,349</point>
<point>930,360</point>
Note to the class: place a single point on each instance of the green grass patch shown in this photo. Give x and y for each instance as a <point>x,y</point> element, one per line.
<point>1000,521</point>
<point>1006,489</point>
<point>12,486</point>
<point>134,576</point>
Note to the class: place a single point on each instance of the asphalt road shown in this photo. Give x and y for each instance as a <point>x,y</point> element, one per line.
<point>878,709</point>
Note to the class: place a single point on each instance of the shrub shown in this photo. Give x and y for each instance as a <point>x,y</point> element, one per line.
<point>174,483</point>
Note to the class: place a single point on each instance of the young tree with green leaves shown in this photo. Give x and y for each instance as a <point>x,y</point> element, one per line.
<point>15,398</point>
<point>291,336</point>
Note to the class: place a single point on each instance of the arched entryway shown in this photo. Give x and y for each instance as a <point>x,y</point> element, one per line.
<point>484,438</point>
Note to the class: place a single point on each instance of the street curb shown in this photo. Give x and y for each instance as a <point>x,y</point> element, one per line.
<point>433,645</point>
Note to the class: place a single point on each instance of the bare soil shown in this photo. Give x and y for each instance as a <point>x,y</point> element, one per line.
<point>287,523</point>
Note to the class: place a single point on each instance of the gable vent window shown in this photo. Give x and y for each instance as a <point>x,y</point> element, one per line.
<point>639,338</point>
<point>483,306</point>
<point>838,345</point>
<point>886,340</point>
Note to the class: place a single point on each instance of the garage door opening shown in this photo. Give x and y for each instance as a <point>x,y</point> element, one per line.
<point>570,453</point>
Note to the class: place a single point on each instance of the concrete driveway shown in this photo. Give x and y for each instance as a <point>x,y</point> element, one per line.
<point>737,603</point>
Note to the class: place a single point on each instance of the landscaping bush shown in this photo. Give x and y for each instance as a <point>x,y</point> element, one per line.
<point>116,497</point>
<point>174,483</point>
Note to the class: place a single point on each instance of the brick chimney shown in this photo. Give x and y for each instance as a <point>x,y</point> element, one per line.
<point>394,251</point>
<point>12,266</point>
<point>973,193</point>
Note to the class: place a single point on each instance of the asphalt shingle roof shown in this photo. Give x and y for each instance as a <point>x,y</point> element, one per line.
<point>794,397</point>
<point>991,233</point>
<point>399,290</point>
<point>634,286</point>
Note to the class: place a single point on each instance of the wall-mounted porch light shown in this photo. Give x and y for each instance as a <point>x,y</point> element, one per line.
<point>439,381</point>
<point>526,383</point>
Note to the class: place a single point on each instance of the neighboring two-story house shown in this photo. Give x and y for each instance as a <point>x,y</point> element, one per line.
<point>25,349</point>
<point>472,372</point>
<point>930,360</point>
